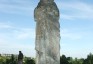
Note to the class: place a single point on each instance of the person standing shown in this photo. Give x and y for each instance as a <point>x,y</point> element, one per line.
<point>20,58</point>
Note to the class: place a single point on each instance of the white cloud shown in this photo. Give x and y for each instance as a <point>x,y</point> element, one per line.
<point>17,7</point>
<point>69,35</point>
<point>2,41</point>
<point>17,32</point>
<point>25,33</point>
<point>13,39</point>
<point>5,25</point>
<point>13,48</point>
<point>23,36</point>
<point>64,16</point>
<point>75,10</point>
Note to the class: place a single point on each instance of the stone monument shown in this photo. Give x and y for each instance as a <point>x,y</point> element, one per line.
<point>47,43</point>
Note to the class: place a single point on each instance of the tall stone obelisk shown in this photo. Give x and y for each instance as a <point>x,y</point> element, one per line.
<point>47,43</point>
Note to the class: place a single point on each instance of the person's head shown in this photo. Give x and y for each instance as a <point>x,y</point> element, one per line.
<point>19,51</point>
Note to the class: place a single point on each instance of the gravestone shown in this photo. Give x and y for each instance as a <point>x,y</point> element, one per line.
<point>47,43</point>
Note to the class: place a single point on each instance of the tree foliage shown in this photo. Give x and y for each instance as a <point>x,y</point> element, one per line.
<point>70,60</point>
<point>63,60</point>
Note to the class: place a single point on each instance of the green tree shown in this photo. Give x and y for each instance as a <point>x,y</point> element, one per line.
<point>89,59</point>
<point>63,60</point>
<point>29,60</point>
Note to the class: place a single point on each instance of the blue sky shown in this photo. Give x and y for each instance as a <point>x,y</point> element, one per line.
<point>17,27</point>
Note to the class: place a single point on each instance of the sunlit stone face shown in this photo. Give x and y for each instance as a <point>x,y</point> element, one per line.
<point>47,42</point>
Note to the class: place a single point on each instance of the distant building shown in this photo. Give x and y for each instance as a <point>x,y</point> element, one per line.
<point>9,55</point>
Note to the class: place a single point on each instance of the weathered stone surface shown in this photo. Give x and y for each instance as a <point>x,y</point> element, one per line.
<point>47,42</point>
